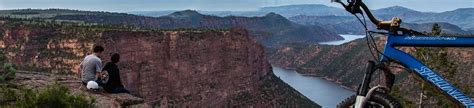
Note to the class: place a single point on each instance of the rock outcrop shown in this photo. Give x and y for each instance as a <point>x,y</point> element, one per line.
<point>40,80</point>
<point>194,68</point>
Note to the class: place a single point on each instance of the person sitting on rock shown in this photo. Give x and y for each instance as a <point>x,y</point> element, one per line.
<point>90,69</point>
<point>113,84</point>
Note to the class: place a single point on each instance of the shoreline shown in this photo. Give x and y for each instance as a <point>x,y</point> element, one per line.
<point>322,77</point>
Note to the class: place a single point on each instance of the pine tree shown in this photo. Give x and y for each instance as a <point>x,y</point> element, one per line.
<point>436,29</point>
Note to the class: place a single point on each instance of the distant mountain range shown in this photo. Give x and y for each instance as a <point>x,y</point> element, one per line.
<point>287,11</point>
<point>313,22</point>
<point>269,30</point>
<point>350,25</point>
<point>462,17</point>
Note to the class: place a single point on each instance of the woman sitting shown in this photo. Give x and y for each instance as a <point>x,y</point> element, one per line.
<point>113,84</point>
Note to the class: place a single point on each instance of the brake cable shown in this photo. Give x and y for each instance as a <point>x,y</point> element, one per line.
<point>366,36</point>
<point>369,35</point>
<point>371,43</point>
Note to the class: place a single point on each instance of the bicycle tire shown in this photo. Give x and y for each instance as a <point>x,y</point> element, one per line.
<point>377,98</point>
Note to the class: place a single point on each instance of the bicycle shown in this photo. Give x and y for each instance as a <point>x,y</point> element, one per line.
<point>377,96</point>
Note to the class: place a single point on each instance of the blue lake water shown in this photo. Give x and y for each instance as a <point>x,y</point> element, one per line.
<point>325,93</point>
<point>347,38</point>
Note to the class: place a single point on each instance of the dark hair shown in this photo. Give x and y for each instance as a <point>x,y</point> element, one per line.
<point>115,58</point>
<point>98,49</point>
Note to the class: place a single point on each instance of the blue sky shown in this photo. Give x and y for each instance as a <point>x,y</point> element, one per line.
<point>238,5</point>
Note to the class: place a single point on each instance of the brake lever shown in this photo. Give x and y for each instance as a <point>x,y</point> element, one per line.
<point>352,6</point>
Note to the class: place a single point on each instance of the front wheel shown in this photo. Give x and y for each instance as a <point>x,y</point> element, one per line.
<point>377,100</point>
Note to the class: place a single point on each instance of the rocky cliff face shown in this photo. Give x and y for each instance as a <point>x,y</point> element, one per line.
<point>166,68</point>
<point>195,68</point>
<point>345,64</point>
<point>40,48</point>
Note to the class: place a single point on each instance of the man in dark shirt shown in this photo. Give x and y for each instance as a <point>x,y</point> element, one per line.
<point>114,84</point>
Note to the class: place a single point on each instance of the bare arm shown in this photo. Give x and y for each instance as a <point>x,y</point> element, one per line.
<point>79,71</point>
<point>98,74</point>
<point>98,69</point>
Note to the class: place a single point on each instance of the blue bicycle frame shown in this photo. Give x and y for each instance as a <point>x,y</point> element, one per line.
<point>421,69</point>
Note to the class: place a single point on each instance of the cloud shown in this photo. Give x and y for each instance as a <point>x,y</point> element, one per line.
<point>127,5</point>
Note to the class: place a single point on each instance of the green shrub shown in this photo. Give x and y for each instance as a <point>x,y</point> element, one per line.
<point>7,73</point>
<point>3,58</point>
<point>53,96</point>
<point>6,94</point>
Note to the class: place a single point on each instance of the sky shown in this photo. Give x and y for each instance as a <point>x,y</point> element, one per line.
<point>220,5</point>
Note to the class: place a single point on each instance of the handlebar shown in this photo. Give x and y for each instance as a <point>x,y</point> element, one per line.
<point>358,7</point>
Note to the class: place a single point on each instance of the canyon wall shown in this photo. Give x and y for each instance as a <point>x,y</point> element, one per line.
<point>196,68</point>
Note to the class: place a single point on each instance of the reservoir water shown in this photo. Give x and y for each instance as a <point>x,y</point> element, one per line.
<point>325,93</point>
<point>347,38</point>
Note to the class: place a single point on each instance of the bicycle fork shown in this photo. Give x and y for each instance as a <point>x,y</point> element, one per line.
<point>364,91</point>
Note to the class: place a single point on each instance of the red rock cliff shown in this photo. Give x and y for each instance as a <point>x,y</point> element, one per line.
<point>193,68</point>
<point>166,68</point>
